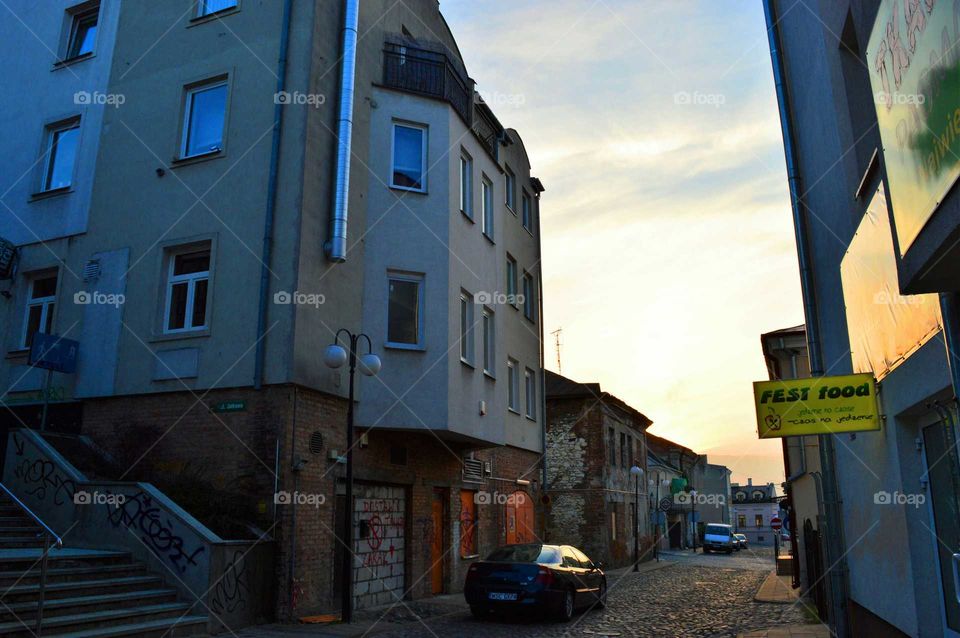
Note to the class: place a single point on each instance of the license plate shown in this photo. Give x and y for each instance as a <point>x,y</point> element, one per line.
<point>501,596</point>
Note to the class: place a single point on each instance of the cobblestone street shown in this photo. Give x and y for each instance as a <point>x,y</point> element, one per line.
<point>678,599</point>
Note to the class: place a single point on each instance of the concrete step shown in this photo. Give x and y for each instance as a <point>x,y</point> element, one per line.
<point>81,604</point>
<point>68,574</point>
<point>98,619</point>
<point>16,521</point>
<point>7,531</point>
<point>20,542</point>
<point>22,593</point>
<point>163,628</point>
<point>14,559</point>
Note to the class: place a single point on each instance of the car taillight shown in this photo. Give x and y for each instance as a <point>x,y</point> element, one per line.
<point>472,572</point>
<point>544,577</point>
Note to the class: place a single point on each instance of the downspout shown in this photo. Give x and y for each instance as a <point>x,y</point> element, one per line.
<point>336,245</point>
<point>836,557</point>
<point>543,376</point>
<point>269,215</point>
<point>950,308</point>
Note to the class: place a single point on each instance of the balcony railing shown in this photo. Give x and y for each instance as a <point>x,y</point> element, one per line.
<point>427,73</point>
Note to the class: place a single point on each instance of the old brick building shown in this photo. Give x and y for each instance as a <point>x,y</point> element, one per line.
<point>593,439</point>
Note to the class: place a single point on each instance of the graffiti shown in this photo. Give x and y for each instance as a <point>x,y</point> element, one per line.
<point>230,592</point>
<point>375,540</point>
<point>468,528</point>
<point>42,478</point>
<point>157,534</point>
<point>423,528</point>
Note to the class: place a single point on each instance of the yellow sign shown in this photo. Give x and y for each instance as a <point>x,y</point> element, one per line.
<point>823,405</point>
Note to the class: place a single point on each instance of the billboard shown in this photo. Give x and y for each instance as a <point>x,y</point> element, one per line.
<point>821,405</point>
<point>913,60</point>
<point>885,327</point>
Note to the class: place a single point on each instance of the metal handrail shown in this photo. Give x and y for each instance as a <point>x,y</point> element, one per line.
<point>48,534</point>
<point>36,519</point>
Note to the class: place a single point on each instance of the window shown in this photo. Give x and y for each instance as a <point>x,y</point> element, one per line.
<point>187,290</point>
<point>83,33</point>
<point>61,152</point>
<point>466,185</point>
<point>405,311</point>
<point>632,459</point>
<point>205,112</point>
<point>510,184</point>
<point>623,449</point>
<point>513,383</point>
<point>527,211</point>
<point>758,519</point>
<point>612,446</point>
<point>528,299</point>
<point>530,386</point>
<point>741,521</point>
<point>512,280</point>
<point>207,7</point>
<point>489,342</point>
<point>409,157</point>
<point>466,328</point>
<point>487,191</point>
<point>40,306</point>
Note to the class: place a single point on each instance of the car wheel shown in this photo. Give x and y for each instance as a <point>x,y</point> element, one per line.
<point>602,595</point>
<point>706,550</point>
<point>729,551</point>
<point>566,606</point>
<point>479,611</point>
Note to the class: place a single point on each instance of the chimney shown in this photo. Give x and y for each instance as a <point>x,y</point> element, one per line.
<point>749,482</point>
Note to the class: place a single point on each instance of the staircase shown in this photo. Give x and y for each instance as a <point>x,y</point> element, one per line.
<point>89,593</point>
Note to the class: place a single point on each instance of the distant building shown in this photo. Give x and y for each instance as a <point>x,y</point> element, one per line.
<point>754,506</point>
<point>593,439</point>
<point>680,470</point>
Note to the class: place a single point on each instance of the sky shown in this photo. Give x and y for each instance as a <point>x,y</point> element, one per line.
<point>667,239</point>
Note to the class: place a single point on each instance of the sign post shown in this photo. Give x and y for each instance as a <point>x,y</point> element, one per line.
<point>53,354</point>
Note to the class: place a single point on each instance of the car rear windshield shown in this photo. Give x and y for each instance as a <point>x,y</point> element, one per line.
<point>533,553</point>
<point>718,530</point>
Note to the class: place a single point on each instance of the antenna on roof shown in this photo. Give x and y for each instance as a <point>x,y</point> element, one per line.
<point>556,335</point>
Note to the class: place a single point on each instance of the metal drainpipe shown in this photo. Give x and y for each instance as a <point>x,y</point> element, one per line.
<point>543,376</point>
<point>836,561</point>
<point>336,245</point>
<point>271,198</point>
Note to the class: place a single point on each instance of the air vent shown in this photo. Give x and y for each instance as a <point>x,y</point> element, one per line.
<point>472,471</point>
<point>8,258</point>
<point>91,271</point>
<point>316,442</point>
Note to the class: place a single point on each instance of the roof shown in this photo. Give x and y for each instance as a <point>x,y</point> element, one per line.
<point>560,387</point>
<point>796,330</point>
<point>667,444</point>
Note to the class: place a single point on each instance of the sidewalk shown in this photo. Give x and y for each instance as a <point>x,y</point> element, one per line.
<point>777,589</point>
<point>793,631</point>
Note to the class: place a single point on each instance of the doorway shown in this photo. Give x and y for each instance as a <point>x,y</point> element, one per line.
<point>943,475</point>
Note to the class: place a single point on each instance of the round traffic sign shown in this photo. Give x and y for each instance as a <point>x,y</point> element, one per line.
<point>776,524</point>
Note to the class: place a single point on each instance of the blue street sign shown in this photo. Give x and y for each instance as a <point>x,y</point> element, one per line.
<point>51,352</point>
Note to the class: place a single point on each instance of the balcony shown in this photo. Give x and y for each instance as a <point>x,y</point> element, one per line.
<point>427,73</point>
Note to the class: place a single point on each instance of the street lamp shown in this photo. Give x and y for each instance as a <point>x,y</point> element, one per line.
<point>335,356</point>
<point>637,472</point>
<point>693,517</point>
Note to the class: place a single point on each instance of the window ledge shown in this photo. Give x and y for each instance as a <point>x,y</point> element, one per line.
<point>489,375</point>
<point>404,189</point>
<point>53,192</point>
<point>489,239</point>
<point>196,159</point>
<point>178,336</point>
<point>405,346</point>
<point>529,231</point>
<point>531,418</point>
<point>510,208</point>
<point>468,216</point>
<point>467,363</point>
<point>212,17</point>
<point>60,64</point>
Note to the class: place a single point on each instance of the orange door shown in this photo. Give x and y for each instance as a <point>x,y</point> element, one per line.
<point>519,519</point>
<point>436,546</point>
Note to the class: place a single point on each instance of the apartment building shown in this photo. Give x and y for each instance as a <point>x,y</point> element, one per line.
<point>753,507</point>
<point>865,91</point>
<point>594,439</point>
<point>276,172</point>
